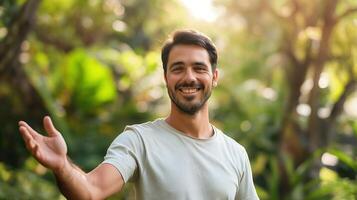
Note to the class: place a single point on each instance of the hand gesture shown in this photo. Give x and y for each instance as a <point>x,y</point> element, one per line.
<point>51,150</point>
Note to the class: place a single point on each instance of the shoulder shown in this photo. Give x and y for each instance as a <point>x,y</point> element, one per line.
<point>230,142</point>
<point>144,131</point>
<point>134,137</point>
<point>236,150</point>
<point>144,128</point>
<point>134,131</point>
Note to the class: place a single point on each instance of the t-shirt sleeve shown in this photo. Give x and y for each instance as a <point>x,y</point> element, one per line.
<point>246,190</point>
<point>123,153</point>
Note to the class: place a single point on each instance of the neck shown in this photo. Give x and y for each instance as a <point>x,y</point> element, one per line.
<point>196,126</point>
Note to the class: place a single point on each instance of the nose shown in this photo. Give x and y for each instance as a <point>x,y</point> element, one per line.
<point>190,75</point>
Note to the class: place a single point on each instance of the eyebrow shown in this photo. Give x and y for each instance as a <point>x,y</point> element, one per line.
<point>176,63</point>
<point>182,63</point>
<point>200,63</point>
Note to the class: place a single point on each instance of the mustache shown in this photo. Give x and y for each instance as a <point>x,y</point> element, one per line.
<point>188,85</point>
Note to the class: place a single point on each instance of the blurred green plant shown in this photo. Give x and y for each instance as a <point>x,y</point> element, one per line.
<point>26,183</point>
<point>94,67</point>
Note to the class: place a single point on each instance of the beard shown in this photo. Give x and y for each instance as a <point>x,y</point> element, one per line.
<point>187,104</point>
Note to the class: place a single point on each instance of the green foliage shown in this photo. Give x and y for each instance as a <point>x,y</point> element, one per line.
<point>88,83</point>
<point>328,185</point>
<point>25,184</point>
<point>334,187</point>
<point>96,68</point>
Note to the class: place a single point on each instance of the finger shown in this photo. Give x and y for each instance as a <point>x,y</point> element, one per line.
<point>29,141</point>
<point>36,152</point>
<point>31,144</point>
<point>34,148</point>
<point>49,127</point>
<point>25,134</point>
<point>33,133</point>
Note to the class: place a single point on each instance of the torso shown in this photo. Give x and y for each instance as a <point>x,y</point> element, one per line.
<point>175,166</point>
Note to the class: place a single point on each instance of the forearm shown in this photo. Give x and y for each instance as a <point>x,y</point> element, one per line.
<point>73,182</point>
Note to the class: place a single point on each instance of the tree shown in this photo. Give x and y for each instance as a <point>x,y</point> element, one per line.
<point>300,38</point>
<point>85,63</point>
<point>17,91</point>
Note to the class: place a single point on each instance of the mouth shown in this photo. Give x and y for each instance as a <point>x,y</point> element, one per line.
<point>189,90</point>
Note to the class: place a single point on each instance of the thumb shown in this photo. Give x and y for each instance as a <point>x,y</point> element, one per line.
<point>50,129</point>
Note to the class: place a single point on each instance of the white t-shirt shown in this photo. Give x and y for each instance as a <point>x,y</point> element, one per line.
<point>166,164</point>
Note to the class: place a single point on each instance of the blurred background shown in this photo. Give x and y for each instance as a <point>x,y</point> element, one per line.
<point>287,89</point>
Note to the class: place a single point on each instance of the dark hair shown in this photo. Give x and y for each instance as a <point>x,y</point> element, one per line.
<point>189,37</point>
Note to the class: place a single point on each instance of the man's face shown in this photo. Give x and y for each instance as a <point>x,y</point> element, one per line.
<point>189,77</point>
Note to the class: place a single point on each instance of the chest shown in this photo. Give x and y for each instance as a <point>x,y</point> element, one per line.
<point>180,170</point>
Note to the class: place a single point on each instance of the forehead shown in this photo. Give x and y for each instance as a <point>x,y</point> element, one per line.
<point>188,53</point>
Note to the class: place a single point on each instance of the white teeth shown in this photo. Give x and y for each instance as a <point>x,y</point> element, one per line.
<point>189,90</point>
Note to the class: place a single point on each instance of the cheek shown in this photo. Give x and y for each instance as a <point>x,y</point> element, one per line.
<point>170,83</point>
<point>171,79</point>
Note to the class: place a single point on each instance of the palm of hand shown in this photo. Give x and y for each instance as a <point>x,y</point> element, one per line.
<point>51,150</point>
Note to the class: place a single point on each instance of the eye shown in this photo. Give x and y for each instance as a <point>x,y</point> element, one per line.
<point>200,68</point>
<point>176,68</point>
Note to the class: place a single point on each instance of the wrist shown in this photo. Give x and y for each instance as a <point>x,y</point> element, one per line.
<point>63,168</point>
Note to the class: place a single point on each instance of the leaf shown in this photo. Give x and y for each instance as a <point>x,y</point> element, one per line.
<point>88,82</point>
<point>345,158</point>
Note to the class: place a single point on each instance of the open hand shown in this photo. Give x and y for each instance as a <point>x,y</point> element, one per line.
<point>51,150</point>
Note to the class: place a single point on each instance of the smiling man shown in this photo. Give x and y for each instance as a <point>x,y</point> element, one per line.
<point>180,157</point>
<point>189,77</point>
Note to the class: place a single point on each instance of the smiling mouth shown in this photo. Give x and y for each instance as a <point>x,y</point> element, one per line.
<point>189,90</point>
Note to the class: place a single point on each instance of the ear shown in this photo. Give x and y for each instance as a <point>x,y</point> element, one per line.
<point>215,78</point>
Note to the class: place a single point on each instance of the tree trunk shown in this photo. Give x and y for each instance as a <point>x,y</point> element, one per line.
<point>18,98</point>
<point>314,131</point>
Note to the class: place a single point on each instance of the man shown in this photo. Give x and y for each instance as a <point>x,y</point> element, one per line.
<point>180,157</point>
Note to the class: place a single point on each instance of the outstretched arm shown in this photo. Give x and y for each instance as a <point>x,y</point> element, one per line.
<point>51,151</point>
